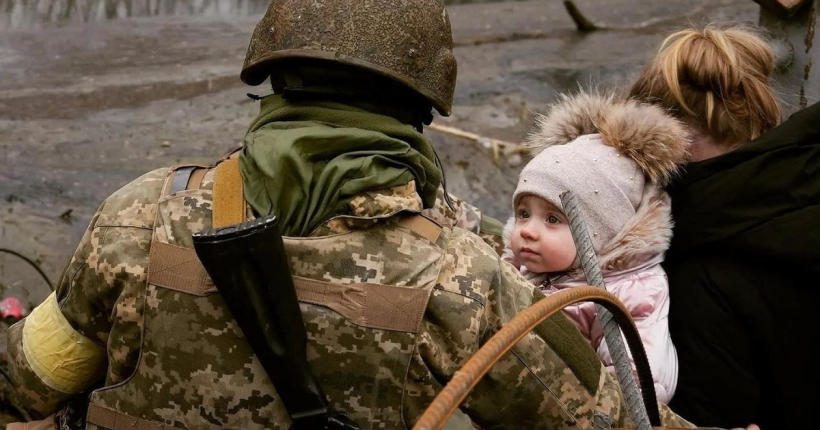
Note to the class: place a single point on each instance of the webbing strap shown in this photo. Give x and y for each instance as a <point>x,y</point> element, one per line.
<point>422,226</point>
<point>184,178</point>
<point>195,181</point>
<point>113,420</point>
<point>229,194</point>
<point>178,268</point>
<point>180,179</point>
<point>386,307</point>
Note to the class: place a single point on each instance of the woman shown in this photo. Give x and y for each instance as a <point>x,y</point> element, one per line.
<point>745,254</point>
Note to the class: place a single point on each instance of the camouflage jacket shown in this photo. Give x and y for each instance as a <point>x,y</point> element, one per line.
<point>161,354</point>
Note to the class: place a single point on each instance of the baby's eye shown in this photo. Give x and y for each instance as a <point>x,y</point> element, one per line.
<point>552,219</point>
<point>523,213</point>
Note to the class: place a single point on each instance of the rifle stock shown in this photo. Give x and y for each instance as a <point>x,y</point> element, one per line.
<point>248,265</point>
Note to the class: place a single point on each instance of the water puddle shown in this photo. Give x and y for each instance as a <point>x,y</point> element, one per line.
<point>16,14</point>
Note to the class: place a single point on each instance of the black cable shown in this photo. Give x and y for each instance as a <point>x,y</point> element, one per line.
<point>444,182</point>
<point>32,263</point>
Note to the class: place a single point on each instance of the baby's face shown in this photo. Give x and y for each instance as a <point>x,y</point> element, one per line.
<point>541,239</point>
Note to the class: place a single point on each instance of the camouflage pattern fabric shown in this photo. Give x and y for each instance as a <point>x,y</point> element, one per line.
<point>467,217</point>
<point>178,360</point>
<point>10,411</point>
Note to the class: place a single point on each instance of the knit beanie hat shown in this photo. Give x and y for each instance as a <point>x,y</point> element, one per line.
<point>606,151</point>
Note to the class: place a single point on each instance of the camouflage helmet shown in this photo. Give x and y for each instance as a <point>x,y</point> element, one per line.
<point>408,41</point>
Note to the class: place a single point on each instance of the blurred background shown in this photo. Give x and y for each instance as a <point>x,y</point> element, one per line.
<point>94,93</point>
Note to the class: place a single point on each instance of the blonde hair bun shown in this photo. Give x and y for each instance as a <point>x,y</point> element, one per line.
<point>717,77</point>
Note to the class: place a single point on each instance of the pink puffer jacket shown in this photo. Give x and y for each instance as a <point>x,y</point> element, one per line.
<point>644,291</point>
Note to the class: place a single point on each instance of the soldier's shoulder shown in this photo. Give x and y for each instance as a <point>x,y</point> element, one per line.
<point>472,265</point>
<point>465,243</point>
<point>468,240</point>
<point>134,205</point>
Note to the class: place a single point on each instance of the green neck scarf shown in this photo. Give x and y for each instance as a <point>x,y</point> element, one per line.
<point>304,161</point>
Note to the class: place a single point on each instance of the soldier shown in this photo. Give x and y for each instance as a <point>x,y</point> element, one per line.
<point>393,303</point>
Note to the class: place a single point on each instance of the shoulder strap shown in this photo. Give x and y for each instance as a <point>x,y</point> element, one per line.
<point>229,198</point>
<point>228,201</point>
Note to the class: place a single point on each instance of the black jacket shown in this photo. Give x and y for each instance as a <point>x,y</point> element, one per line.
<point>744,274</point>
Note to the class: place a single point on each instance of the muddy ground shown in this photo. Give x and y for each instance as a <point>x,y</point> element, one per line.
<point>92,100</point>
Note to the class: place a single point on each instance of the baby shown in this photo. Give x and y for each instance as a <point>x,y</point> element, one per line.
<point>616,156</point>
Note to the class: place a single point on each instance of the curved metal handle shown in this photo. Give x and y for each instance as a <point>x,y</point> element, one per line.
<point>436,415</point>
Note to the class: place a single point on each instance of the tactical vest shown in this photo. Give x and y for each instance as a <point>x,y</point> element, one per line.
<point>363,295</point>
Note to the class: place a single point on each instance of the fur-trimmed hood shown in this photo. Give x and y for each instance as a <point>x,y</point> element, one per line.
<point>657,142</point>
